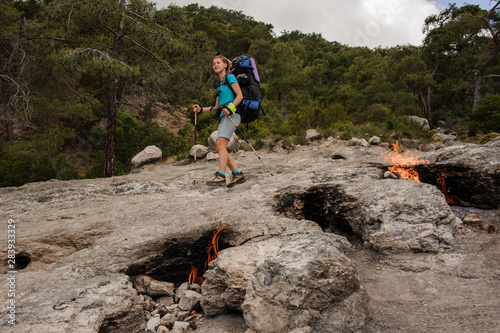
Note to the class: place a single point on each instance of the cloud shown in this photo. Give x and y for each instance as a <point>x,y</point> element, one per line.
<point>369,23</point>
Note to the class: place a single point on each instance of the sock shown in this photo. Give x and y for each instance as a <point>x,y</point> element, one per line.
<point>237,170</point>
<point>222,173</point>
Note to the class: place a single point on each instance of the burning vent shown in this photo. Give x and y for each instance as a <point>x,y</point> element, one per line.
<point>182,260</point>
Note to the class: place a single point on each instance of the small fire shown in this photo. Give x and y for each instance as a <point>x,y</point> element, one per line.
<point>402,163</point>
<point>212,252</point>
<point>450,199</point>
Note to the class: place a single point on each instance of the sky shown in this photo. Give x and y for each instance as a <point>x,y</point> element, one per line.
<point>370,23</point>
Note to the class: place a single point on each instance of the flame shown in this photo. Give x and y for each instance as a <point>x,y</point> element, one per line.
<point>441,184</point>
<point>402,163</point>
<point>212,252</point>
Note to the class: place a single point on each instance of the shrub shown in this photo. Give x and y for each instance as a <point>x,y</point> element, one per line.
<point>40,159</point>
<point>486,117</point>
<point>488,137</point>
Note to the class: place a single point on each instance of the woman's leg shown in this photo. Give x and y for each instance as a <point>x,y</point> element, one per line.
<point>225,159</point>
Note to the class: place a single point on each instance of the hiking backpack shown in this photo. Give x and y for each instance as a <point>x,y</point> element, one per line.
<point>245,70</point>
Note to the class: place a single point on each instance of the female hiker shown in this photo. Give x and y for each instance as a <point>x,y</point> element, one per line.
<point>225,105</point>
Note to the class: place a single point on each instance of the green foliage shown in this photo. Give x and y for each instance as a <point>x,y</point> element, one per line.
<point>488,137</point>
<point>131,137</point>
<point>40,159</point>
<point>486,117</point>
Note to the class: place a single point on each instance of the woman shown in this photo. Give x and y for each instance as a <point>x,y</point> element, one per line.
<point>225,104</point>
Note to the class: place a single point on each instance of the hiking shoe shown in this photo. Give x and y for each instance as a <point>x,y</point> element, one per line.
<point>238,178</point>
<point>219,180</point>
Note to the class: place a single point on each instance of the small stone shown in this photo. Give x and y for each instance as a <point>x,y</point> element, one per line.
<point>306,329</point>
<point>195,287</point>
<point>473,219</point>
<point>168,320</point>
<point>490,228</point>
<point>153,323</point>
<point>180,290</point>
<point>390,175</point>
<point>180,326</point>
<point>162,329</point>
<point>148,302</point>
<point>189,300</point>
<point>181,316</point>
<point>173,308</point>
<point>165,301</point>
<point>152,287</point>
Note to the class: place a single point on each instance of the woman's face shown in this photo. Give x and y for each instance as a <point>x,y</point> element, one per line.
<point>219,65</point>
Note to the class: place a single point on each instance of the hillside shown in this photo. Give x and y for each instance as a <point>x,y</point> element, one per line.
<point>83,82</point>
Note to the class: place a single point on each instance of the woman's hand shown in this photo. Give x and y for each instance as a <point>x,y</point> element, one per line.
<point>226,112</point>
<point>197,108</point>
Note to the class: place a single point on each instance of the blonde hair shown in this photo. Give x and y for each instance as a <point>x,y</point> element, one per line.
<point>225,60</point>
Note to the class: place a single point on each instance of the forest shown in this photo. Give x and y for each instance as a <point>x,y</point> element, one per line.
<point>82,82</point>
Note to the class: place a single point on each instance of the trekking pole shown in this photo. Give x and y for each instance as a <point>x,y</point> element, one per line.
<point>195,149</point>
<point>250,145</point>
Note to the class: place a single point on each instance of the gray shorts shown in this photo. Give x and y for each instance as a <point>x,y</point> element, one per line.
<point>226,127</point>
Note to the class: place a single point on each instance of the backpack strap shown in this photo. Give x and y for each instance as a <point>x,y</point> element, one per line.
<point>225,81</point>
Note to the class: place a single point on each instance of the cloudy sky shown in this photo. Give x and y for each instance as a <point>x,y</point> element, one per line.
<point>369,23</point>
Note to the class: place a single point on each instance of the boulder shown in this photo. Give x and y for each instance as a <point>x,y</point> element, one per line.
<point>201,151</point>
<point>287,282</point>
<point>232,147</point>
<point>148,155</point>
<point>444,137</point>
<point>374,140</point>
<point>312,134</point>
<point>422,122</point>
<point>359,142</point>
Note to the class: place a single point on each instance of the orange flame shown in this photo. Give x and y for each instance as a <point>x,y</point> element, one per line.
<point>212,252</point>
<point>441,184</point>
<point>402,163</point>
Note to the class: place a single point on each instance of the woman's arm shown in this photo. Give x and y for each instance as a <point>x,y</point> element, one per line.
<point>199,109</point>
<point>237,91</point>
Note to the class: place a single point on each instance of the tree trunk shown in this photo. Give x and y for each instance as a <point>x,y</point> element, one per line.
<point>9,128</point>
<point>112,105</point>
<point>111,127</point>
<point>426,103</point>
<point>479,77</point>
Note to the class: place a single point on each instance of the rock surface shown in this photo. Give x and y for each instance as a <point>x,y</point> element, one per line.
<point>81,243</point>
